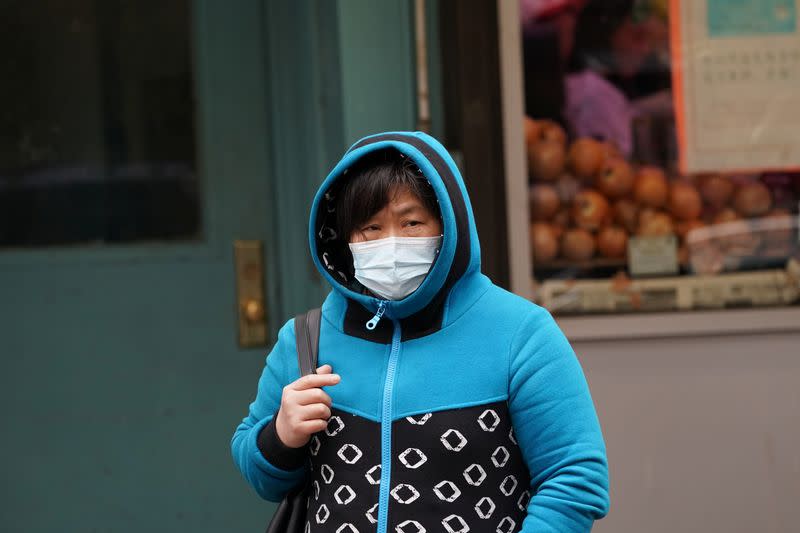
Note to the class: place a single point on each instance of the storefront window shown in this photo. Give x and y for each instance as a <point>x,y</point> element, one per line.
<point>663,153</point>
<point>97,130</point>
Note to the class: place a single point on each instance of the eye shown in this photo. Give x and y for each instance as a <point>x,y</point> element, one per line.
<point>371,227</point>
<point>413,223</point>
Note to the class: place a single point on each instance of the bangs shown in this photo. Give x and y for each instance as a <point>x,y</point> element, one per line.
<point>372,182</point>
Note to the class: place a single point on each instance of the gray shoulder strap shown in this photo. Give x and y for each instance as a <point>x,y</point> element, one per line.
<point>306,328</point>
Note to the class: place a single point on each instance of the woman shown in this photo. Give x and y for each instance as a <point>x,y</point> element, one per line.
<point>456,406</point>
<point>616,72</point>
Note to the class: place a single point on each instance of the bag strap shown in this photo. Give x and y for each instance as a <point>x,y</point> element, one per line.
<point>306,328</point>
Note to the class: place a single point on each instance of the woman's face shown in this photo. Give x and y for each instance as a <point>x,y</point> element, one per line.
<point>404,216</point>
<point>631,44</point>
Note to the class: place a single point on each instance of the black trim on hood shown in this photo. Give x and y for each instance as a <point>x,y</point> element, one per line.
<point>429,319</point>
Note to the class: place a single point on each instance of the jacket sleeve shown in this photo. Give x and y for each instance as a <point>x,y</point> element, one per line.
<point>268,465</point>
<point>557,429</point>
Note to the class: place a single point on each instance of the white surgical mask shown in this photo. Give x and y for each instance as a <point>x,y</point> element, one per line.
<point>394,267</point>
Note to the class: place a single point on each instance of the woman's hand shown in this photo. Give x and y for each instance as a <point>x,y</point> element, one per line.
<point>305,407</point>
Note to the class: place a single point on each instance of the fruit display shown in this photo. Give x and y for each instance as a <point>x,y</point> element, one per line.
<point>587,201</point>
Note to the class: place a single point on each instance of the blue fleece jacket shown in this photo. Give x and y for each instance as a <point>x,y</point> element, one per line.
<point>465,409</point>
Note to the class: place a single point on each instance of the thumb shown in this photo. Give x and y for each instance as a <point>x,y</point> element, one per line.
<point>325,369</point>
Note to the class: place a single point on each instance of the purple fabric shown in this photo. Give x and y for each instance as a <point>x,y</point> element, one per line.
<point>595,108</point>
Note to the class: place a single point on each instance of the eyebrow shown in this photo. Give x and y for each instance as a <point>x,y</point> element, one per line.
<point>408,209</point>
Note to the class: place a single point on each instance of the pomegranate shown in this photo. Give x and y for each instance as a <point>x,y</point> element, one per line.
<point>577,244</point>
<point>544,242</point>
<point>726,215</point>
<point>590,210</point>
<point>752,199</point>
<point>550,131</point>
<point>651,187</point>
<point>654,223</point>
<point>544,202</point>
<point>546,160</point>
<point>586,156</point>
<point>626,214</point>
<point>716,190</point>
<point>684,201</point>
<point>615,178</point>
<point>612,241</point>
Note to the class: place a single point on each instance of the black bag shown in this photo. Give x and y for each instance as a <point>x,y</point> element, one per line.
<point>290,517</point>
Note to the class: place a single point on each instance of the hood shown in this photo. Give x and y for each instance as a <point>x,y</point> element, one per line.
<point>459,256</point>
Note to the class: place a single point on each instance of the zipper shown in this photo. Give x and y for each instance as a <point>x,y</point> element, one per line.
<point>372,323</point>
<point>386,431</point>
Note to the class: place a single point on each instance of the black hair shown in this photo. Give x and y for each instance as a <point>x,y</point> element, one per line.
<point>368,185</point>
<point>544,92</point>
<point>597,22</point>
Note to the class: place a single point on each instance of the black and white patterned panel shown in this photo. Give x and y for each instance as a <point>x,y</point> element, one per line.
<point>345,475</point>
<point>456,471</point>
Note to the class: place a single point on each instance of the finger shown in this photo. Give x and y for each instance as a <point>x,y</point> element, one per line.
<point>315,380</point>
<point>325,369</point>
<point>312,426</point>
<point>311,396</point>
<point>314,411</point>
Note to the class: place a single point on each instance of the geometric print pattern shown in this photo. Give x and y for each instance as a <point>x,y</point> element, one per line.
<point>460,470</point>
<point>345,475</point>
<point>453,471</point>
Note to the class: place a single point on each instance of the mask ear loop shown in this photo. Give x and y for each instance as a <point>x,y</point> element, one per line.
<point>439,249</point>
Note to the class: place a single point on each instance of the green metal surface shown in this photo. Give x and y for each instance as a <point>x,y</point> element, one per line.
<point>305,114</point>
<point>377,65</point>
<point>120,378</point>
<point>120,374</point>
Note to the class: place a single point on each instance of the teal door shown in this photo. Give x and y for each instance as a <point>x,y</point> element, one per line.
<point>136,144</point>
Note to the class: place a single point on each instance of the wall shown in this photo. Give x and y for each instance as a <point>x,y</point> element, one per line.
<point>703,433</point>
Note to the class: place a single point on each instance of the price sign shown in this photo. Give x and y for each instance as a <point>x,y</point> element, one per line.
<point>653,256</point>
<point>736,73</point>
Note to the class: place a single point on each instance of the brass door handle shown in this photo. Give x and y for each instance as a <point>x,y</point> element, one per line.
<point>253,310</point>
<point>249,260</point>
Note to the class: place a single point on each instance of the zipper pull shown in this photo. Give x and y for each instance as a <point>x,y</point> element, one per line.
<point>373,322</point>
